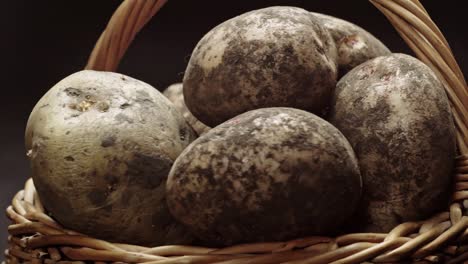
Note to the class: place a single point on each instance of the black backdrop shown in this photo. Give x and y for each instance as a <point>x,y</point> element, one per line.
<point>43,41</point>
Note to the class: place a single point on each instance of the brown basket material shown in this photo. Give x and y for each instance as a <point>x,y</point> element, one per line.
<point>37,238</point>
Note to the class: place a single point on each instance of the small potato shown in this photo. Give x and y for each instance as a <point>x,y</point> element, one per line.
<point>276,56</point>
<point>396,115</point>
<point>355,45</point>
<point>175,94</point>
<point>265,175</point>
<point>101,146</point>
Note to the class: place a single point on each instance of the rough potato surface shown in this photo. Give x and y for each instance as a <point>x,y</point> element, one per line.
<point>101,146</point>
<point>268,174</point>
<point>276,56</point>
<point>354,44</point>
<point>396,115</point>
<point>175,94</point>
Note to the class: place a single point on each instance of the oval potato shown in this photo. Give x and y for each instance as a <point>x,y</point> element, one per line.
<point>354,44</point>
<point>276,56</point>
<point>266,175</point>
<point>101,146</point>
<point>396,115</point>
<point>175,94</point>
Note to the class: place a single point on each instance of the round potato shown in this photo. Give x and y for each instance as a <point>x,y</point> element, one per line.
<point>276,56</point>
<point>175,94</point>
<point>396,115</point>
<point>354,44</point>
<point>101,146</point>
<point>267,174</point>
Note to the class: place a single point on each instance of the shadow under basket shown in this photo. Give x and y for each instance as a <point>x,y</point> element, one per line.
<point>37,238</point>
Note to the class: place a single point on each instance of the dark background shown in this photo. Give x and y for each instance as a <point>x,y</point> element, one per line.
<point>44,41</point>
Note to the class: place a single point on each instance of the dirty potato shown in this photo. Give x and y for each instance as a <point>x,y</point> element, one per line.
<point>268,174</point>
<point>396,115</point>
<point>276,56</point>
<point>101,146</point>
<point>176,96</point>
<point>354,44</point>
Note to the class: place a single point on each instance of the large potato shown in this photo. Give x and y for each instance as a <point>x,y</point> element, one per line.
<point>101,146</point>
<point>396,115</point>
<point>354,44</point>
<point>175,94</point>
<point>276,56</point>
<point>268,174</point>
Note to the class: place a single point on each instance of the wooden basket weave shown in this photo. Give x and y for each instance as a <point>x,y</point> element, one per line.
<point>37,238</point>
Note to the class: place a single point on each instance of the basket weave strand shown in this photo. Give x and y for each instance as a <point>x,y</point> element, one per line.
<point>444,237</point>
<point>37,238</point>
<point>127,21</point>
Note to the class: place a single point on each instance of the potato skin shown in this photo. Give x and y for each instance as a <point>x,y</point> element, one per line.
<point>175,94</point>
<point>396,115</point>
<point>101,146</point>
<point>268,174</point>
<point>276,56</point>
<point>354,44</point>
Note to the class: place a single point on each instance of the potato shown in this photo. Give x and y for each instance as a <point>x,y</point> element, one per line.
<point>175,95</point>
<point>396,115</point>
<point>276,56</point>
<point>355,45</point>
<point>268,174</point>
<point>101,146</point>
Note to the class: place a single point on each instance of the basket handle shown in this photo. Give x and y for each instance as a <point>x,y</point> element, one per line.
<point>127,21</point>
<point>408,17</point>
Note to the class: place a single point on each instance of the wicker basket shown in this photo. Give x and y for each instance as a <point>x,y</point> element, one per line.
<point>37,238</point>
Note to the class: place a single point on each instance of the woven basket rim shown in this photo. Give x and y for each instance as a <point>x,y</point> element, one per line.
<point>36,238</point>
